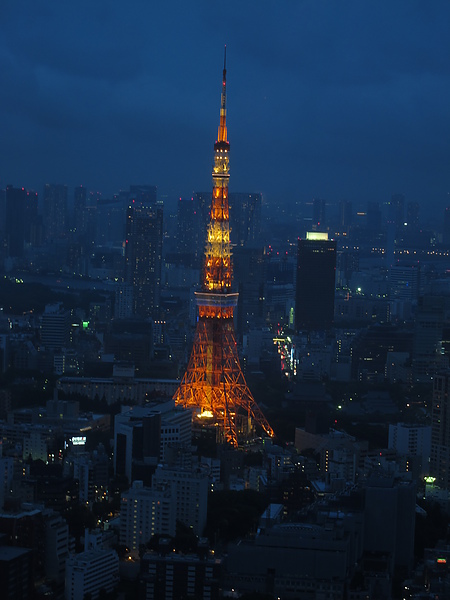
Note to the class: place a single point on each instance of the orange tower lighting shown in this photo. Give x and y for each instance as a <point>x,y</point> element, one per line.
<point>214,384</point>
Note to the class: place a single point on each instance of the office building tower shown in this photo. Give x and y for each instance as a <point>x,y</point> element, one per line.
<point>21,222</point>
<point>214,384</point>
<point>250,276</point>
<point>15,215</point>
<point>315,285</point>
<point>412,215</point>
<point>446,230</point>
<point>79,210</point>
<point>373,218</point>
<point>345,215</point>
<point>143,250</point>
<point>397,211</point>
<point>404,282</point>
<point>123,306</point>
<point>429,324</point>
<point>55,211</point>
<point>245,218</point>
<point>189,232</point>
<point>440,431</point>
<point>55,326</point>
<point>319,214</point>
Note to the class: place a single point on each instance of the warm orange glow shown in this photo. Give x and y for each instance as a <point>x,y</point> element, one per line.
<point>214,382</point>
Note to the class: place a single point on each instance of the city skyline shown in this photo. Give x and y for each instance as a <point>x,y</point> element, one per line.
<point>340,102</point>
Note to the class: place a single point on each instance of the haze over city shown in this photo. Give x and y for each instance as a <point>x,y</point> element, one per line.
<point>343,100</point>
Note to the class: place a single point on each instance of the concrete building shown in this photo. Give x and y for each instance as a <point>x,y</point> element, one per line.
<point>16,573</point>
<point>414,441</point>
<point>141,435</point>
<point>55,327</point>
<point>189,491</point>
<point>440,433</point>
<point>90,572</point>
<point>292,560</point>
<point>168,576</point>
<point>145,512</point>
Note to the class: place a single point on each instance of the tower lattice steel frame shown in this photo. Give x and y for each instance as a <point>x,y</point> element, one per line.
<point>214,384</point>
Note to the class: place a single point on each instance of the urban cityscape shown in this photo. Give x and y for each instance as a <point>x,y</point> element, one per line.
<point>222,395</point>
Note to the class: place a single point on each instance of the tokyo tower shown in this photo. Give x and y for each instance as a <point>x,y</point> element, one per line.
<point>214,385</point>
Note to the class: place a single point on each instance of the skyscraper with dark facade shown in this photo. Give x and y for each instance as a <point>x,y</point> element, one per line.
<point>190,232</point>
<point>440,434</point>
<point>315,286</point>
<point>245,218</point>
<point>143,249</point>
<point>79,210</point>
<point>446,232</point>
<point>15,202</point>
<point>55,211</point>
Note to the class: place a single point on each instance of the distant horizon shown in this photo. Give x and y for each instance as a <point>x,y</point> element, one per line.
<point>345,101</point>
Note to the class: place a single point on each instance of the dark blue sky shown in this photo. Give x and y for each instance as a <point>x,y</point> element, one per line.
<point>334,99</point>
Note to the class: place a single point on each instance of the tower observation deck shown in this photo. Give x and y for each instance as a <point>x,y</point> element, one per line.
<point>213,384</point>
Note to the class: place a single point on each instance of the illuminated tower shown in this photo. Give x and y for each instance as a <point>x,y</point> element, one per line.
<point>214,384</point>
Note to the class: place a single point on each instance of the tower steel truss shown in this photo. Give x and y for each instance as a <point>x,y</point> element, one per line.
<point>214,384</point>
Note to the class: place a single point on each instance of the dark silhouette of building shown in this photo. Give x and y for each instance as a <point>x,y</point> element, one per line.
<point>249,274</point>
<point>315,286</point>
<point>190,232</point>
<point>446,232</point>
<point>319,214</point>
<point>440,434</point>
<point>55,211</point>
<point>245,218</point>
<point>16,573</point>
<point>143,249</point>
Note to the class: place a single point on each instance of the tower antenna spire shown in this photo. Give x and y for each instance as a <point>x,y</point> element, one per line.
<point>222,133</point>
<point>213,384</point>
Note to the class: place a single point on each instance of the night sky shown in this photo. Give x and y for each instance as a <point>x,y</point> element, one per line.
<point>332,99</point>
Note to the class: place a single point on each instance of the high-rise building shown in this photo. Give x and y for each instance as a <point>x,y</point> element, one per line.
<point>55,211</point>
<point>429,324</point>
<point>446,231</point>
<point>315,285</point>
<point>345,215</point>
<point>143,249</point>
<point>245,218</point>
<point>250,271</point>
<point>55,326</point>
<point>440,432</point>
<point>79,210</point>
<point>214,384</point>
<point>21,223</point>
<point>189,232</point>
<point>412,214</point>
<point>15,208</point>
<point>397,211</point>
<point>319,214</point>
